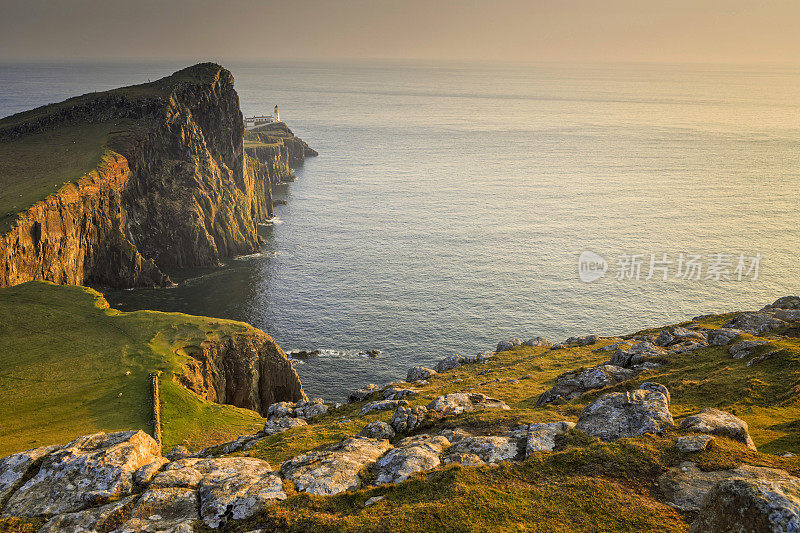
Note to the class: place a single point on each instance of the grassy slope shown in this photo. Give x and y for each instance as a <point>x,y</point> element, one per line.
<point>585,485</point>
<point>70,366</point>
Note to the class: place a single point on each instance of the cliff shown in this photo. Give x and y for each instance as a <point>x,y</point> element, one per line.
<point>173,188</point>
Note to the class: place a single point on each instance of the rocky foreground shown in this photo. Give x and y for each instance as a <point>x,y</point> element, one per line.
<point>627,437</point>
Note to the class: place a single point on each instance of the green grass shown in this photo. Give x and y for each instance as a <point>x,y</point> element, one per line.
<point>70,366</point>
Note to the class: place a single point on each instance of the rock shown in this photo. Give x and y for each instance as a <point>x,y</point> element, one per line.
<point>489,449</point>
<point>396,393</point>
<point>334,469</point>
<point>675,334</point>
<point>381,405</point>
<point>161,510</point>
<point>310,409</point>
<point>449,363</point>
<point>145,474</point>
<point>178,452</point>
<point>693,443</point>
<point>618,345</point>
<point>14,468</point>
<point>279,425</point>
<point>542,437</point>
<point>786,302</point>
<point>373,500</point>
<point>637,354</point>
<point>506,345</point>
<point>751,505</point>
<point>582,341</point>
<point>557,346</point>
<point>281,410</point>
<point>537,341</point>
<point>716,422</point>
<point>756,324</point>
<point>464,459</point>
<point>573,384</point>
<point>722,336</point>
<point>359,395</point>
<point>454,435</point>
<point>685,486</point>
<point>419,373</point>
<point>377,430</point>
<point>461,402</point>
<point>406,419</point>
<point>627,414</point>
<point>89,471</point>
<point>96,519</point>
<point>411,455</point>
<point>744,348</point>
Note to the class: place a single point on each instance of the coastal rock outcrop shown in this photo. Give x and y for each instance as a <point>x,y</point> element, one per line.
<point>628,414</point>
<point>715,422</point>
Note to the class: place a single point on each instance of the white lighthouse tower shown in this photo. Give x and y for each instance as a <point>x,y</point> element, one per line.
<point>277,114</point>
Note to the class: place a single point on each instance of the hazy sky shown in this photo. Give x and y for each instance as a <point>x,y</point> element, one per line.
<point>506,30</point>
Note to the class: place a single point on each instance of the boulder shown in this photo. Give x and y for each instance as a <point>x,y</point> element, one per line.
<point>693,443</point>
<point>685,486</point>
<point>542,437</point>
<point>757,324</point>
<point>396,392</point>
<point>723,336</point>
<point>381,405</point>
<point>419,373</point>
<point>406,419</point>
<point>461,402</point>
<point>359,395</point>
<point>145,474</point>
<point>334,469</point>
<point>488,448</point>
<point>377,430</point>
<point>677,334</point>
<point>95,519</point>
<point>310,409</point>
<point>281,410</point>
<point>573,384</point>
<point>89,471</point>
<point>279,425</point>
<point>745,348</point>
<point>785,302</point>
<point>161,510</point>
<point>506,345</point>
<point>537,341</point>
<point>738,505</point>
<point>178,452</point>
<point>411,455</point>
<point>715,422</point>
<point>627,414</point>
<point>582,341</point>
<point>14,468</point>
<point>450,362</point>
<point>637,354</point>
<point>464,459</point>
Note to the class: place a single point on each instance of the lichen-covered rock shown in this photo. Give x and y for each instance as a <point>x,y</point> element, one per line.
<point>573,384</point>
<point>145,474</point>
<point>161,510</point>
<point>89,471</point>
<point>279,425</point>
<point>419,373</point>
<point>405,419</point>
<point>411,455</point>
<point>542,437</point>
<point>381,405</point>
<point>758,505</point>
<point>715,422</point>
<point>627,414</point>
<point>744,348</point>
<point>14,468</point>
<point>450,362</point>
<point>582,341</point>
<point>464,459</point>
<point>693,443</point>
<point>490,449</point>
<point>461,402</point>
<point>334,469</point>
<point>676,334</point>
<point>95,519</point>
<point>396,392</point>
<point>178,452</point>
<point>639,353</point>
<point>723,336</point>
<point>685,486</point>
<point>755,323</point>
<point>359,395</point>
<point>537,341</point>
<point>377,429</point>
<point>305,409</point>
<point>504,346</point>
<point>785,302</point>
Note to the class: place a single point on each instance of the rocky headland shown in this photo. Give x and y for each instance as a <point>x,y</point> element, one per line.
<point>690,427</point>
<point>174,186</point>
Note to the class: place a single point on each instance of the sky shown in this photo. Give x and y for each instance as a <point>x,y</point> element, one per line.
<point>703,31</point>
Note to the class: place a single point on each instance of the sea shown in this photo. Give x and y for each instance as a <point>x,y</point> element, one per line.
<point>456,205</point>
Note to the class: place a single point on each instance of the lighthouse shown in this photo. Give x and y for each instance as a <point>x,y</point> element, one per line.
<point>277,114</point>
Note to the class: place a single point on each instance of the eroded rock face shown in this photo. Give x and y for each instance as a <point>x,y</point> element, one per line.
<point>628,414</point>
<point>88,471</point>
<point>334,469</point>
<point>751,505</point>
<point>542,437</point>
<point>685,486</point>
<point>461,402</point>
<point>715,422</point>
<point>574,384</point>
<point>412,454</point>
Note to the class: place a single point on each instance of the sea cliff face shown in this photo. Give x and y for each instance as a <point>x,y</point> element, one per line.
<point>176,188</point>
<point>246,370</point>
